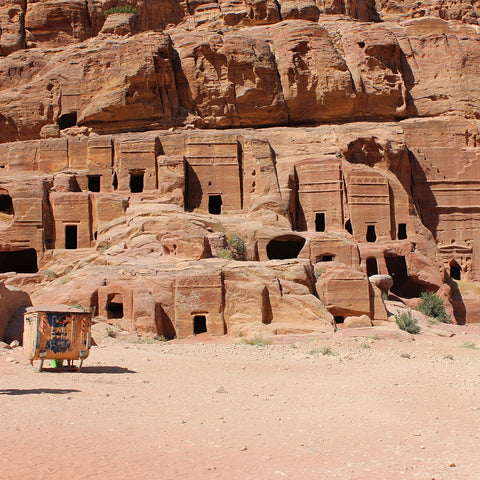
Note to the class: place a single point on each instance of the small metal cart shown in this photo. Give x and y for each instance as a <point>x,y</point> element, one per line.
<point>57,332</point>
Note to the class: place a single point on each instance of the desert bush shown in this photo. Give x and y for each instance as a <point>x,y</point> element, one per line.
<point>236,241</point>
<point>121,9</point>
<point>325,350</point>
<point>432,305</point>
<point>257,340</point>
<point>469,345</point>
<point>225,253</point>
<point>317,272</point>
<point>406,322</point>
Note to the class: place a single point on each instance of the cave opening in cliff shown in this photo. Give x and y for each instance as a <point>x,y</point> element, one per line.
<point>282,248</point>
<point>199,324</point>
<point>215,204</point>
<point>339,319</point>
<point>19,261</point>
<point>71,237</point>
<point>402,231</point>
<point>455,271</point>
<point>136,182</point>
<point>371,234</point>
<point>6,204</point>
<point>319,222</point>
<point>327,258</point>
<point>372,267</point>
<point>403,285</point>
<point>67,120</point>
<point>348,227</point>
<point>115,306</point>
<point>94,183</point>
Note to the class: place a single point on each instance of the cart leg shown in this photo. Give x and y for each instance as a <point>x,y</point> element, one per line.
<point>80,364</point>
<point>40,367</point>
<point>69,364</point>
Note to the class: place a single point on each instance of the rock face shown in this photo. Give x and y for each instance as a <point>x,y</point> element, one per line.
<point>235,167</point>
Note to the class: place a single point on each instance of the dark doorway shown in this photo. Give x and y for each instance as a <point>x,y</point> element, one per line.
<point>215,204</point>
<point>136,182</point>
<point>6,205</point>
<point>94,183</point>
<point>455,271</point>
<point>115,181</point>
<point>319,222</point>
<point>115,307</point>
<point>371,235</point>
<point>70,237</point>
<point>282,248</point>
<point>21,261</point>
<point>372,267</point>
<point>67,120</point>
<point>339,319</point>
<point>348,227</point>
<point>402,231</point>
<point>327,258</point>
<point>199,324</point>
<point>403,285</point>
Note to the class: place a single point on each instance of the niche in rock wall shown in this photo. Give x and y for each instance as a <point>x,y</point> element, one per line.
<point>371,234</point>
<point>115,306</point>
<point>67,120</point>
<point>402,231</point>
<point>136,182</point>
<point>71,232</point>
<point>372,267</point>
<point>94,183</point>
<point>348,227</point>
<point>215,204</point>
<point>20,261</point>
<point>6,204</point>
<point>284,247</point>
<point>199,324</point>
<point>403,285</point>
<point>320,222</point>
<point>455,271</point>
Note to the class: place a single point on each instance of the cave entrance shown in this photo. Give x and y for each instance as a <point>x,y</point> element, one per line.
<point>282,248</point>
<point>327,258</point>
<point>403,285</point>
<point>348,227</point>
<point>372,267</point>
<point>67,120</point>
<point>136,182</point>
<point>115,306</point>
<point>93,183</point>
<point>199,324</point>
<point>6,204</point>
<point>319,222</point>
<point>371,234</point>
<point>455,271</point>
<point>215,204</point>
<point>19,261</point>
<point>71,237</point>
<point>402,231</point>
<point>339,319</point>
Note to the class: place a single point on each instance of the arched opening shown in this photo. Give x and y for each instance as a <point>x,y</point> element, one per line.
<point>20,261</point>
<point>348,227</point>
<point>199,324</point>
<point>71,237</point>
<point>67,120</point>
<point>282,248</point>
<point>93,183</point>
<point>136,182</point>
<point>372,267</point>
<point>402,231</point>
<point>215,204</point>
<point>455,271</point>
<point>371,234</point>
<point>319,222</point>
<point>6,204</point>
<point>115,306</point>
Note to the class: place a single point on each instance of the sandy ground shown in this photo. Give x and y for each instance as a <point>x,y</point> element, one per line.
<point>378,408</point>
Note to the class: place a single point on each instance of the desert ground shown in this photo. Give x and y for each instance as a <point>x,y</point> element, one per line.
<point>357,404</point>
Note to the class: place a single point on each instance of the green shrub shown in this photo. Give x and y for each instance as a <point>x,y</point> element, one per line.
<point>325,350</point>
<point>317,272</point>
<point>432,305</point>
<point>406,322</point>
<point>236,241</point>
<point>257,340</point>
<point>469,345</point>
<point>225,253</point>
<point>121,9</point>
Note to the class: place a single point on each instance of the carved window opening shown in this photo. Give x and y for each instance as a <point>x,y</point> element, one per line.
<point>71,237</point>
<point>455,271</point>
<point>215,204</point>
<point>327,258</point>
<point>339,319</point>
<point>319,222</point>
<point>371,234</point>
<point>6,204</point>
<point>136,182</point>
<point>348,227</point>
<point>282,248</point>
<point>67,120</point>
<point>115,306</point>
<point>402,231</point>
<point>115,181</point>
<point>20,261</point>
<point>372,267</point>
<point>94,183</point>
<point>199,324</point>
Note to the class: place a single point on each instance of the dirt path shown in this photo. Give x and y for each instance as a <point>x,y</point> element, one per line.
<point>234,411</point>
